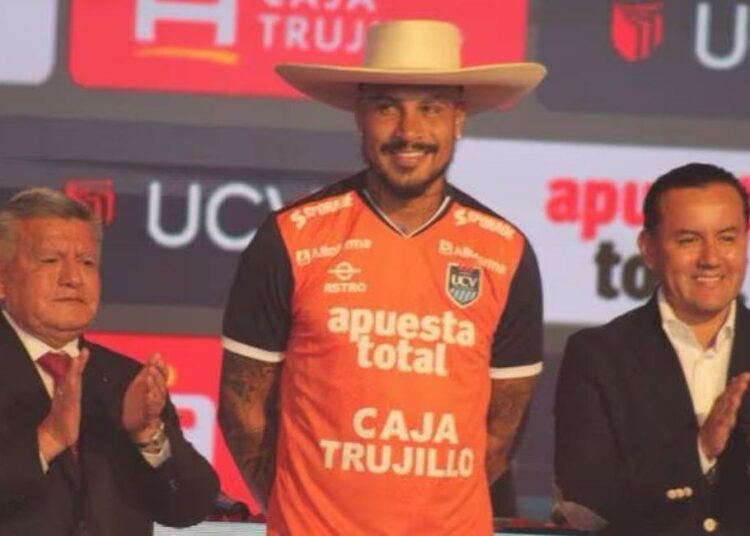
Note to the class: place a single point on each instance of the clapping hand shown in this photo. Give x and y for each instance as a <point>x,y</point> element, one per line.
<point>145,399</point>
<point>59,430</point>
<point>722,418</point>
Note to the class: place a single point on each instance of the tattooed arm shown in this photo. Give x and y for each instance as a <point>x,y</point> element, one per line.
<point>248,417</point>
<point>508,401</point>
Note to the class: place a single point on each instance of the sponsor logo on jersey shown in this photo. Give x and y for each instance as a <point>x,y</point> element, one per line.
<point>344,272</point>
<point>305,256</point>
<point>463,283</point>
<point>402,341</point>
<point>392,441</point>
<point>636,29</point>
<point>467,216</point>
<point>302,215</point>
<point>449,249</point>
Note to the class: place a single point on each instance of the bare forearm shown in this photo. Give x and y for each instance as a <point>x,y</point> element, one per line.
<point>508,402</point>
<point>253,455</point>
<point>245,398</point>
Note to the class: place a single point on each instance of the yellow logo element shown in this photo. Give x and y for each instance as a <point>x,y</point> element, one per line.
<point>225,57</point>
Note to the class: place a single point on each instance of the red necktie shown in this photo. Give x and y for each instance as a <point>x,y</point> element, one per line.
<point>56,364</point>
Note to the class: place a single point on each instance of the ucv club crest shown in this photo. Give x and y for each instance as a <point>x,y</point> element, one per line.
<point>462,284</point>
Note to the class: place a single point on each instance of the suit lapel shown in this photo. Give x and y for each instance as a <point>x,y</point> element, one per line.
<point>657,356</point>
<point>23,388</point>
<point>740,359</point>
<point>21,385</point>
<point>71,468</point>
<point>96,388</point>
<point>660,370</point>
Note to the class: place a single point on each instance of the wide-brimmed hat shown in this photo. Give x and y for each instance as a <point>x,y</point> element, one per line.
<point>415,52</point>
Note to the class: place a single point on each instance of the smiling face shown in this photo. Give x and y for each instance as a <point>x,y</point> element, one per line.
<point>50,284</point>
<point>698,250</point>
<point>408,135</point>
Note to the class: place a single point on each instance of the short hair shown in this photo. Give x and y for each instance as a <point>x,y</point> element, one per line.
<point>40,203</point>
<point>693,175</point>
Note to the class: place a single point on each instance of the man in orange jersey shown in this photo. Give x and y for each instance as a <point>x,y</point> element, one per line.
<point>383,336</point>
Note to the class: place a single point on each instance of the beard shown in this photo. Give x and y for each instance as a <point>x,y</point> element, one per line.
<point>405,191</point>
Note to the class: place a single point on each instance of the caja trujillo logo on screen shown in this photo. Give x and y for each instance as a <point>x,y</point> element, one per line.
<point>232,46</point>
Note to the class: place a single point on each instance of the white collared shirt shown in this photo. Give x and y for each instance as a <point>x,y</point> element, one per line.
<point>36,349</point>
<point>705,369</point>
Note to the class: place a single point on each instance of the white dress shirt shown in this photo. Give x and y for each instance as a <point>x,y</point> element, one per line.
<point>36,349</point>
<point>705,369</point>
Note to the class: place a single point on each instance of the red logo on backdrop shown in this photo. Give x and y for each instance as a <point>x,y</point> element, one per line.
<point>231,46</point>
<point>594,203</point>
<point>636,28</point>
<point>97,194</point>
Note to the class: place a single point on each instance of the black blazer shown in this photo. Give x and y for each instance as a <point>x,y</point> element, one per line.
<point>112,490</point>
<point>626,432</point>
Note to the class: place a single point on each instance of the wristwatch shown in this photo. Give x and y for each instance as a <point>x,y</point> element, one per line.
<point>155,443</point>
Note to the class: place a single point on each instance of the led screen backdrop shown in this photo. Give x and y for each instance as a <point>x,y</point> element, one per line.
<point>166,118</point>
<point>231,46</point>
<point>648,57</point>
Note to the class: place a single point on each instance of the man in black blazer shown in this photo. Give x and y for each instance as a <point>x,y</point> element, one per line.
<point>89,442</point>
<point>651,420</point>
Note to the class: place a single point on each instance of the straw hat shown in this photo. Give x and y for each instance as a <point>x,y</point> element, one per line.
<point>415,52</point>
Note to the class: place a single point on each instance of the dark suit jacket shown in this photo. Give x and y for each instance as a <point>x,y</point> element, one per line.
<point>626,432</point>
<point>112,490</point>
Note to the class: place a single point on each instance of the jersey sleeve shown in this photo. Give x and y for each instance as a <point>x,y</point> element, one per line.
<point>257,317</point>
<point>517,346</point>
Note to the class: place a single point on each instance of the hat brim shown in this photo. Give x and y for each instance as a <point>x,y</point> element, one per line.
<point>486,87</point>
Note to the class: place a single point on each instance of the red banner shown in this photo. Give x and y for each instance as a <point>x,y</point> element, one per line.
<point>231,46</point>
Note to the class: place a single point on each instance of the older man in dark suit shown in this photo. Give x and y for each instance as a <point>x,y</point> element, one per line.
<point>89,441</point>
<point>651,418</point>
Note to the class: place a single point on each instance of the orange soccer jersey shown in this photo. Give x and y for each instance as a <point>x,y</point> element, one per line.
<point>388,343</point>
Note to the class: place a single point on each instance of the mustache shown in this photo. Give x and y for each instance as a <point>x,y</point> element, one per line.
<point>400,144</point>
